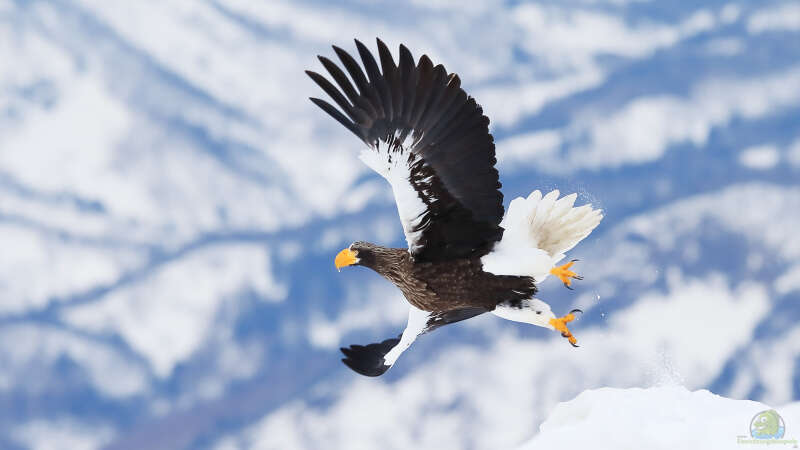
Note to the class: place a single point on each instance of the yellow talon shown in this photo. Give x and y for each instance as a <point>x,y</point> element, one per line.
<point>561,325</point>
<point>565,275</point>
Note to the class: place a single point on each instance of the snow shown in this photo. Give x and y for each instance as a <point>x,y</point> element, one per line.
<point>520,150</point>
<point>40,255</point>
<point>746,209</point>
<point>360,311</point>
<point>75,145</point>
<point>725,46</point>
<point>62,433</point>
<point>27,351</point>
<point>165,318</point>
<point>570,41</point>
<point>646,127</point>
<point>760,157</point>
<point>666,417</point>
<point>793,153</point>
<point>781,17</point>
<point>789,280</point>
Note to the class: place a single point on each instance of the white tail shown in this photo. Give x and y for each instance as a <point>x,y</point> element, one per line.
<point>549,223</point>
<point>538,232</point>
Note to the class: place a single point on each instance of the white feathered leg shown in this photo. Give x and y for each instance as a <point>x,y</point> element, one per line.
<point>532,311</point>
<point>537,312</point>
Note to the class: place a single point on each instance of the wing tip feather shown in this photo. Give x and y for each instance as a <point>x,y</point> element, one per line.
<point>370,104</point>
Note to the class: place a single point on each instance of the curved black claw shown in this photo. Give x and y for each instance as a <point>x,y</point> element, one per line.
<point>576,310</point>
<point>574,345</point>
<point>567,286</point>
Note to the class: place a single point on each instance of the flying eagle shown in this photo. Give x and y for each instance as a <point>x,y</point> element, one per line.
<point>431,142</point>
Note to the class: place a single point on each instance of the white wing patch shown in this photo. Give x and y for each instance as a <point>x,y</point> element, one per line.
<point>417,321</point>
<point>538,232</point>
<point>395,167</point>
<point>374,360</point>
<point>508,259</point>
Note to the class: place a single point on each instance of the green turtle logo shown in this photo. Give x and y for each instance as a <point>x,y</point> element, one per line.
<point>767,425</point>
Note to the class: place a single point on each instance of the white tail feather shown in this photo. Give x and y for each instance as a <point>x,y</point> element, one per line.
<point>539,230</point>
<point>549,223</point>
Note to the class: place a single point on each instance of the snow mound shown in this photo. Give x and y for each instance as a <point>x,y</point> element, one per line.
<point>668,417</point>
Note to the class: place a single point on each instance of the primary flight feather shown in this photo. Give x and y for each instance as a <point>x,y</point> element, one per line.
<point>430,140</point>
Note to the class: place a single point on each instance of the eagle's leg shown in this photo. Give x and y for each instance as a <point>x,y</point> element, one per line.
<point>564,274</point>
<point>561,325</point>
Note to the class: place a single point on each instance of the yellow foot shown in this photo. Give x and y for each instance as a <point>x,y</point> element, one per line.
<point>561,325</point>
<point>565,275</point>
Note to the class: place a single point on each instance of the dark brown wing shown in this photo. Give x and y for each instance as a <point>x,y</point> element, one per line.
<point>430,140</point>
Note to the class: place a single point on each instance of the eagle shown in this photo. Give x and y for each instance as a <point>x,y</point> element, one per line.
<point>430,140</point>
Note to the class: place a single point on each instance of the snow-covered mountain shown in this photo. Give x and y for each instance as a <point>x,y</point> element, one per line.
<point>170,205</point>
<point>664,417</point>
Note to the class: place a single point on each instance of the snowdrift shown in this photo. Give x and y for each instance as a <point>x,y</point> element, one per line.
<point>664,418</point>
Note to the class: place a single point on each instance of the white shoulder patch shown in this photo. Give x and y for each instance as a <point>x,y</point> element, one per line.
<point>395,167</point>
<point>417,320</point>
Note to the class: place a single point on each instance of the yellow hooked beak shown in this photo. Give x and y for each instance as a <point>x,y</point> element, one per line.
<point>345,257</point>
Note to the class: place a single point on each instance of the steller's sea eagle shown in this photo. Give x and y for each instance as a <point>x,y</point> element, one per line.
<point>431,142</point>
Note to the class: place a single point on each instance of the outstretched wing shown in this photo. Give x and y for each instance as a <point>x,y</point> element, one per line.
<point>430,140</point>
<point>375,359</point>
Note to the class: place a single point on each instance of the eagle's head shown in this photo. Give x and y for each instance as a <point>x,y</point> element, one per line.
<point>359,253</point>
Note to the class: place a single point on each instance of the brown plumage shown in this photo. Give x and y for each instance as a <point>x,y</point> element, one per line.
<point>442,285</point>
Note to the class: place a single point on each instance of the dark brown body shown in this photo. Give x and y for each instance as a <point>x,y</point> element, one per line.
<point>445,285</point>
